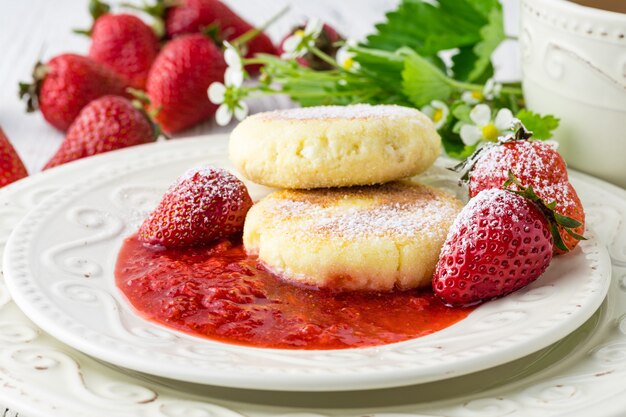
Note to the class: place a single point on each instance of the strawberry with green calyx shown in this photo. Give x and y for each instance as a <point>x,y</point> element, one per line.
<point>122,42</point>
<point>535,163</point>
<point>500,242</point>
<point>67,83</point>
<point>11,166</point>
<point>106,124</point>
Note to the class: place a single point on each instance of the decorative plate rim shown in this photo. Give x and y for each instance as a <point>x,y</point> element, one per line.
<point>64,327</point>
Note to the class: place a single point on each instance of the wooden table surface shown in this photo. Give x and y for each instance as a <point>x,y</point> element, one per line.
<point>32,30</point>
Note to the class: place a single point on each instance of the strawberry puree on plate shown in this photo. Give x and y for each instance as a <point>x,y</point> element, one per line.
<point>220,293</point>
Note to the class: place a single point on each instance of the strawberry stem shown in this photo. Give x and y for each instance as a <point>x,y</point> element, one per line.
<point>97,8</point>
<point>142,102</point>
<point>157,11</point>
<point>556,220</point>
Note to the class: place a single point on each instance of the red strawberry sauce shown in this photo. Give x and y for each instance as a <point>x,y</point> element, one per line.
<point>220,293</point>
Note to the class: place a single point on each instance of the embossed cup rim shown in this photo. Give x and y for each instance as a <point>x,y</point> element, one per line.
<point>580,10</point>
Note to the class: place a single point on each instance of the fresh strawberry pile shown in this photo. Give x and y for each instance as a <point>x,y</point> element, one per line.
<point>522,211</point>
<point>94,98</point>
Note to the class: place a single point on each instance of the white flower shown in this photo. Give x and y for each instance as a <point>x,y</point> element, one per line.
<point>345,58</point>
<point>232,57</point>
<point>228,96</point>
<point>492,89</point>
<point>484,128</point>
<point>224,113</point>
<point>302,41</point>
<point>437,111</point>
<point>472,97</point>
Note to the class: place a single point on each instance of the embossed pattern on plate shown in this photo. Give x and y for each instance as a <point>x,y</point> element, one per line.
<point>59,264</point>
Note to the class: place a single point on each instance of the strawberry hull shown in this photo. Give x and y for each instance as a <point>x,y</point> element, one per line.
<point>536,164</point>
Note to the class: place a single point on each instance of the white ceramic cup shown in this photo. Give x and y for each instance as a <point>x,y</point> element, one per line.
<point>574,67</point>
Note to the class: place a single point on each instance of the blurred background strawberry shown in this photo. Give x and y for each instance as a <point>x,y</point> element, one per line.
<point>179,78</point>
<point>66,84</point>
<point>122,42</point>
<point>105,124</point>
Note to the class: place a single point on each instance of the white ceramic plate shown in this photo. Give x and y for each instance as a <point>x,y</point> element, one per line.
<point>59,267</point>
<point>582,375</point>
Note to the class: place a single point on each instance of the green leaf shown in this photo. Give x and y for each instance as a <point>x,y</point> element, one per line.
<point>385,67</point>
<point>492,34</point>
<point>541,126</point>
<point>428,28</point>
<point>423,82</point>
<point>454,146</point>
<point>463,62</point>
<point>475,27</point>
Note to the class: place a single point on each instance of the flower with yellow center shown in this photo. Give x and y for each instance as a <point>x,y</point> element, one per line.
<point>345,57</point>
<point>302,40</point>
<point>472,97</point>
<point>484,127</point>
<point>437,111</point>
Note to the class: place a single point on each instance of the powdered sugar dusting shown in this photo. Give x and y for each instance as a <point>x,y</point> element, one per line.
<point>355,111</point>
<point>535,160</point>
<point>205,185</point>
<point>404,211</point>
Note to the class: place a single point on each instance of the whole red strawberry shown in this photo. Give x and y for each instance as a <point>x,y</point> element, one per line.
<point>105,124</point>
<point>326,42</point>
<point>11,166</point>
<point>179,78</point>
<point>535,164</point>
<point>192,16</point>
<point>499,243</point>
<point>203,205</point>
<point>122,42</point>
<point>66,84</point>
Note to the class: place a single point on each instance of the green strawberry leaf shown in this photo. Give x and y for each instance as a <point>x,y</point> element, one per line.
<point>463,62</point>
<point>422,81</point>
<point>492,34</point>
<point>445,25</point>
<point>541,126</point>
<point>475,27</point>
<point>566,221</point>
